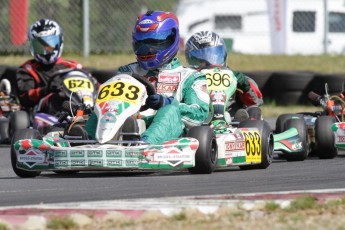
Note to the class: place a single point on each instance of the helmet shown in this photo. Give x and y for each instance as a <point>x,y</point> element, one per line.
<point>46,41</point>
<point>155,38</point>
<point>205,48</point>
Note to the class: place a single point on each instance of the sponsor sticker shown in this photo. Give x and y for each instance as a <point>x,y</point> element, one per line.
<point>78,163</point>
<point>132,154</point>
<point>165,77</point>
<point>31,158</point>
<point>95,162</point>
<point>341,139</point>
<point>113,153</point>
<point>166,88</point>
<point>60,163</point>
<point>76,153</point>
<point>60,153</point>
<point>94,153</point>
<point>131,162</point>
<point>114,162</point>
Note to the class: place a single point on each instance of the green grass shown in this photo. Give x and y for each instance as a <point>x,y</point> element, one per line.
<point>3,226</point>
<point>61,223</point>
<point>303,203</point>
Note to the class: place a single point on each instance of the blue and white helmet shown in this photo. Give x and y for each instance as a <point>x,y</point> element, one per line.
<point>46,41</point>
<point>205,48</point>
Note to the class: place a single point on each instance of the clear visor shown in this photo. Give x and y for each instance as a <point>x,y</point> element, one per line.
<point>153,43</point>
<point>46,44</point>
<point>207,56</point>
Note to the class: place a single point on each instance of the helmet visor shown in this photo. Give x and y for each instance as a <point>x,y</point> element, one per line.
<point>215,55</point>
<point>45,44</point>
<point>149,44</point>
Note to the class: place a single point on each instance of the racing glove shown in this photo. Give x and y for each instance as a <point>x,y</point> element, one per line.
<point>45,90</point>
<point>157,101</point>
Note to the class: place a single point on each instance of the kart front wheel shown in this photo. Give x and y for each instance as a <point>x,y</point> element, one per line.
<point>300,125</point>
<point>207,154</point>
<point>266,142</point>
<point>20,135</point>
<point>324,137</point>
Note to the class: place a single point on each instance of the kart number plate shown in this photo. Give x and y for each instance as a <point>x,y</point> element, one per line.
<point>253,146</point>
<point>77,84</point>
<point>220,80</point>
<point>120,90</point>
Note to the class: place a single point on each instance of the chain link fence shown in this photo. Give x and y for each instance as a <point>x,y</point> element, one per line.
<point>245,24</point>
<point>110,22</point>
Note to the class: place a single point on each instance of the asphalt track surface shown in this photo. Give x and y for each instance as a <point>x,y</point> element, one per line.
<point>281,175</point>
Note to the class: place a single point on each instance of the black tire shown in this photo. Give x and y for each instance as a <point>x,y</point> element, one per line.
<point>334,81</point>
<point>23,134</point>
<point>260,77</point>
<point>324,138</point>
<point>280,122</point>
<point>289,97</point>
<point>18,120</point>
<point>4,137</point>
<point>267,143</point>
<point>254,113</point>
<point>207,154</point>
<point>301,127</point>
<point>291,80</point>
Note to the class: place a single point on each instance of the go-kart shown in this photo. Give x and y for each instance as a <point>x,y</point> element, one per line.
<point>222,86</point>
<point>74,85</point>
<point>8,104</point>
<point>118,146</point>
<point>323,129</point>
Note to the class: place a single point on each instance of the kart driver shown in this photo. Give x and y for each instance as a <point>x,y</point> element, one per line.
<point>46,44</point>
<point>206,50</point>
<point>181,98</point>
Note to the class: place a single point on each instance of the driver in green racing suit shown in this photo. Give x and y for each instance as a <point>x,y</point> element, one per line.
<point>181,98</point>
<point>206,51</point>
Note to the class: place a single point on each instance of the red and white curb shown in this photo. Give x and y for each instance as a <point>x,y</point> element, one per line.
<point>134,208</point>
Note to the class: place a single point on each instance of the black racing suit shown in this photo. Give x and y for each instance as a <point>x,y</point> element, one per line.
<point>32,82</point>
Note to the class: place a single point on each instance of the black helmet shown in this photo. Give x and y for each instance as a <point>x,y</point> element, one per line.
<point>204,49</point>
<point>46,41</point>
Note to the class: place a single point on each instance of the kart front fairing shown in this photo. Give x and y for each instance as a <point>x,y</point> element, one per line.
<point>119,98</point>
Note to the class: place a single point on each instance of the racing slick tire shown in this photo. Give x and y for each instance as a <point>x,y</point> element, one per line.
<point>324,138</point>
<point>207,154</point>
<point>19,135</point>
<point>301,127</point>
<point>18,120</point>
<point>267,143</point>
<point>4,123</point>
<point>280,122</point>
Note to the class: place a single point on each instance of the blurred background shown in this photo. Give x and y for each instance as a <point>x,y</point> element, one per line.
<point>288,47</point>
<point>248,26</point>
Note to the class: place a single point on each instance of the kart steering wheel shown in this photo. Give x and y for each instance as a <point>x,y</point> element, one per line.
<point>149,86</point>
<point>56,74</point>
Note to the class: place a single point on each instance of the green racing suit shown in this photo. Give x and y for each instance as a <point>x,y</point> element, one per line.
<point>189,108</point>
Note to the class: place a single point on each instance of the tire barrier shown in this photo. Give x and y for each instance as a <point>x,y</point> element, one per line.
<point>283,87</point>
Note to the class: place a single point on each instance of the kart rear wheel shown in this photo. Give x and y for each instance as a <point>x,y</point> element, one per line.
<point>324,137</point>
<point>19,135</point>
<point>18,120</point>
<point>266,143</point>
<point>280,122</point>
<point>207,154</point>
<point>301,127</point>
